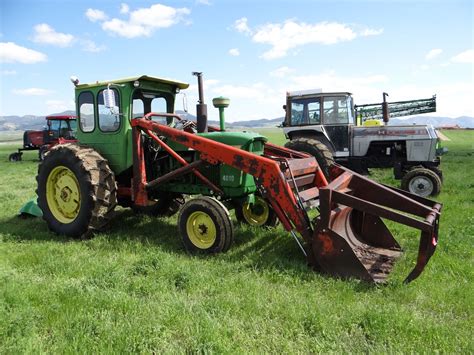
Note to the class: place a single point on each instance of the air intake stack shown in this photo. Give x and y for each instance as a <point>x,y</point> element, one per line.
<point>221,103</point>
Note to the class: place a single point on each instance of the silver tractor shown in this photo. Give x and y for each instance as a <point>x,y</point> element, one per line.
<point>333,129</point>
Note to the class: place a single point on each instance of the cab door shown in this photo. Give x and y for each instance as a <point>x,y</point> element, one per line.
<point>336,120</point>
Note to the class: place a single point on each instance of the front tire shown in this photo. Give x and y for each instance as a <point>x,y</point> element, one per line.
<point>42,152</point>
<point>257,214</point>
<point>14,157</point>
<point>76,190</point>
<point>205,226</point>
<point>315,148</point>
<point>422,182</point>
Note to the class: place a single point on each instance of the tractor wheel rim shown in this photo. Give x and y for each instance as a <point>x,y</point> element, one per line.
<point>256,214</point>
<point>201,230</point>
<point>63,194</point>
<point>422,186</point>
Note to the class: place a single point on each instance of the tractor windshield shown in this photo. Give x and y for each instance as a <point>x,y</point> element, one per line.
<point>62,128</point>
<point>306,111</point>
<point>147,101</point>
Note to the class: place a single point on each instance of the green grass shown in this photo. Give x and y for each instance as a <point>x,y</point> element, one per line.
<point>134,288</point>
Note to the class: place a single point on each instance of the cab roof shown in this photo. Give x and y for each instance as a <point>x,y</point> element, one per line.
<point>178,84</point>
<point>316,93</point>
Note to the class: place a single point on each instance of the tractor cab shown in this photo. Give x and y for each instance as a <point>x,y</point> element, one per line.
<point>60,127</point>
<point>332,113</point>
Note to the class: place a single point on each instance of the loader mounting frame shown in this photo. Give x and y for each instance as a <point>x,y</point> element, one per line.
<point>347,239</point>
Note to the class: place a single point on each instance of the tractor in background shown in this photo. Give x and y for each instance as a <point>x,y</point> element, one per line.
<point>330,127</point>
<point>59,129</point>
<point>132,150</point>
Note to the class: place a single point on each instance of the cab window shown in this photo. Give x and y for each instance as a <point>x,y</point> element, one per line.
<point>138,109</point>
<point>314,112</point>
<point>336,110</point>
<point>306,111</point>
<point>297,113</point>
<point>159,105</point>
<point>145,102</point>
<point>109,117</point>
<point>86,111</point>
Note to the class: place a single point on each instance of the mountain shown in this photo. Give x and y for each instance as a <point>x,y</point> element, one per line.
<point>11,123</point>
<point>462,121</point>
<point>17,123</point>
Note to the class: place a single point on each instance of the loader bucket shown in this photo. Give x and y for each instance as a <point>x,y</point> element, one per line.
<point>351,240</point>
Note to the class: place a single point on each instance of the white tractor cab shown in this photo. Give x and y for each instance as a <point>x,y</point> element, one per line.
<point>333,129</point>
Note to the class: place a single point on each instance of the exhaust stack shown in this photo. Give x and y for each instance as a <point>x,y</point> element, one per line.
<point>385,111</point>
<point>201,107</point>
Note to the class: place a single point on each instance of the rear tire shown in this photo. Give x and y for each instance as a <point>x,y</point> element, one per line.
<point>315,148</point>
<point>205,226</point>
<point>76,190</point>
<point>422,182</point>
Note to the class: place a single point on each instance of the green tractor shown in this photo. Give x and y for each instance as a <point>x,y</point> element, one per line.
<point>79,185</point>
<point>133,151</point>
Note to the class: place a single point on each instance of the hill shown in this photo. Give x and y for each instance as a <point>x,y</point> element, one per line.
<point>12,123</point>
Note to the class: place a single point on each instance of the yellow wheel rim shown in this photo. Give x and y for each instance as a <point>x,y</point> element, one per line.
<point>63,194</point>
<point>201,230</point>
<point>256,214</point>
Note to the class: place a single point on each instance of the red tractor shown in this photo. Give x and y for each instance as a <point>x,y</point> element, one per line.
<point>59,130</point>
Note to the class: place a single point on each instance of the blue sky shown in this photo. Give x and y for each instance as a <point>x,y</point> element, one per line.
<point>251,51</point>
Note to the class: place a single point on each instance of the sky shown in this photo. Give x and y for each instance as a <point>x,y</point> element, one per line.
<point>252,52</point>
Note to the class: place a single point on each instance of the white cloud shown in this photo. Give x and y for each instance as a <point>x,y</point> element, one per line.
<point>234,52</point>
<point>124,8</point>
<point>12,53</point>
<point>464,57</point>
<point>91,46</point>
<point>241,26</point>
<point>433,53</point>
<point>32,92</point>
<point>95,15</point>
<point>203,2</point>
<point>8,72</point>
<point>45,34</point>
<point>144,21</point>
<point>366,89</point>
<point>281,72</point>
<point>370,32</point>
<point>288,35</point>
<point>56,106</point>
<point>244,99</point>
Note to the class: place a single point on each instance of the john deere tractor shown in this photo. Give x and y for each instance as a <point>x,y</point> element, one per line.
<point>133,151</point>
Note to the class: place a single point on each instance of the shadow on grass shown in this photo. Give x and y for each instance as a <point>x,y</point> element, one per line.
<point>268,250</point>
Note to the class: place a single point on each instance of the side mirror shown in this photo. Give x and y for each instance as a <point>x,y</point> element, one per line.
<point>109,98</point>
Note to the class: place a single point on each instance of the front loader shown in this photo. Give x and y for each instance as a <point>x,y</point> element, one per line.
<point>129,155</point>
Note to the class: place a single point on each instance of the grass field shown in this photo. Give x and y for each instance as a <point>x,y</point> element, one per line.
<point>134,288</point>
